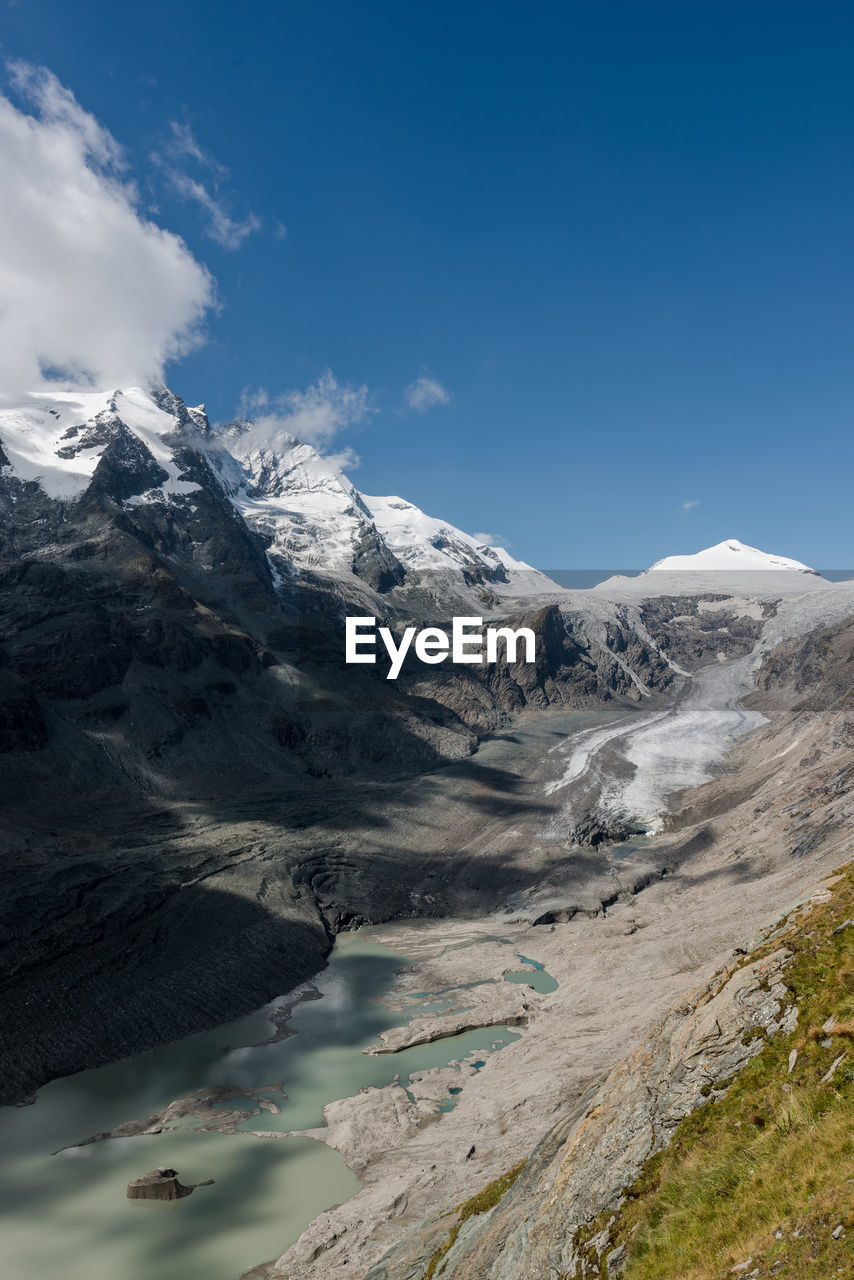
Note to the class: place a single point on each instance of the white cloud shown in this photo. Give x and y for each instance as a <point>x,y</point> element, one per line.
<point>181,147</point>
<point>491,539</point>
<point>690,504</point>
<point>424,393</point>
<point>315,416</point>
<point>227,231</point>
<point>345,459</point>
<point>89,288</point>
<point>182,142</point>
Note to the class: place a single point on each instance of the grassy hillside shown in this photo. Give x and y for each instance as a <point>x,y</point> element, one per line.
<point>764,1175</point>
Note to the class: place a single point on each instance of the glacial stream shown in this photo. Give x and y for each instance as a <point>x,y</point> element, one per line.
<point>66,1216</point>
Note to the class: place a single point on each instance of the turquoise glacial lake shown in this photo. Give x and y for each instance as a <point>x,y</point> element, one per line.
<point>66,1216</point>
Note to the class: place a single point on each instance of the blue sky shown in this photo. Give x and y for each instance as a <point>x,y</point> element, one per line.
<point>618,237</point>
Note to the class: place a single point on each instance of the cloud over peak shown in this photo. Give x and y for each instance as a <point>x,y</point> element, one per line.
<point>491,540</point>
<point>314,416</point>
<point>90,289</point>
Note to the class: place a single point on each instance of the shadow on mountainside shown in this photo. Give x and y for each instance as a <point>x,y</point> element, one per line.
<point>157,970</point>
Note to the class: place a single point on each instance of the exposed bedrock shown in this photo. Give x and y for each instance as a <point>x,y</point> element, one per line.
<point>603,828</point>
<point>581,1166</point>
<point>688,628</point>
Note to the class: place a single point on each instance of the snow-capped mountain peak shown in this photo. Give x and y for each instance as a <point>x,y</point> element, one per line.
<point>302,502</point>
<point>729,556</point>
<point>423,542</point>
<point>147,446</point>
<point>58,438</point>
<point>317,518</point>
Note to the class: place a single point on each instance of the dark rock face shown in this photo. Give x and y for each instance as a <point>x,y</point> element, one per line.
<point>127,468</point>
<point>690,635</point>
<point>598,828</point>
<point>186,417</point>
<point>811,673</point>
<point>570,670</point>
<point>22,726</point>
<point>376,564</point>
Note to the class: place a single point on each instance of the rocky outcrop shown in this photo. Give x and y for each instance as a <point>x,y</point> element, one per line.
<point>375,563</point>
<point>602,828</point>
<point>162,1184</point>
<point>579,1169</point>
<point>491,1005</point>
<point>809,673</point>
<point>691,629</point>
<point>209,1106</point>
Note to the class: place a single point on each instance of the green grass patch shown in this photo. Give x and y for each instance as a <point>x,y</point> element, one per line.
<point>485,1200</point>
<point>765,1171</point>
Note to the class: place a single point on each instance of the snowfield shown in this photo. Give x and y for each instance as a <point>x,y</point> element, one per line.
<point>32,434</point>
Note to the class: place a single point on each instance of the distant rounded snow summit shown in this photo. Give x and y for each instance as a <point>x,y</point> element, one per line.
<point>730,555</point>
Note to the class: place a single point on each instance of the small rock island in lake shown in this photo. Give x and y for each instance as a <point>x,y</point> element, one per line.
<point>161,1184</point>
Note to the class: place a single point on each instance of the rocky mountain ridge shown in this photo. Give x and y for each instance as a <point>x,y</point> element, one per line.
<point>146,446</point>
